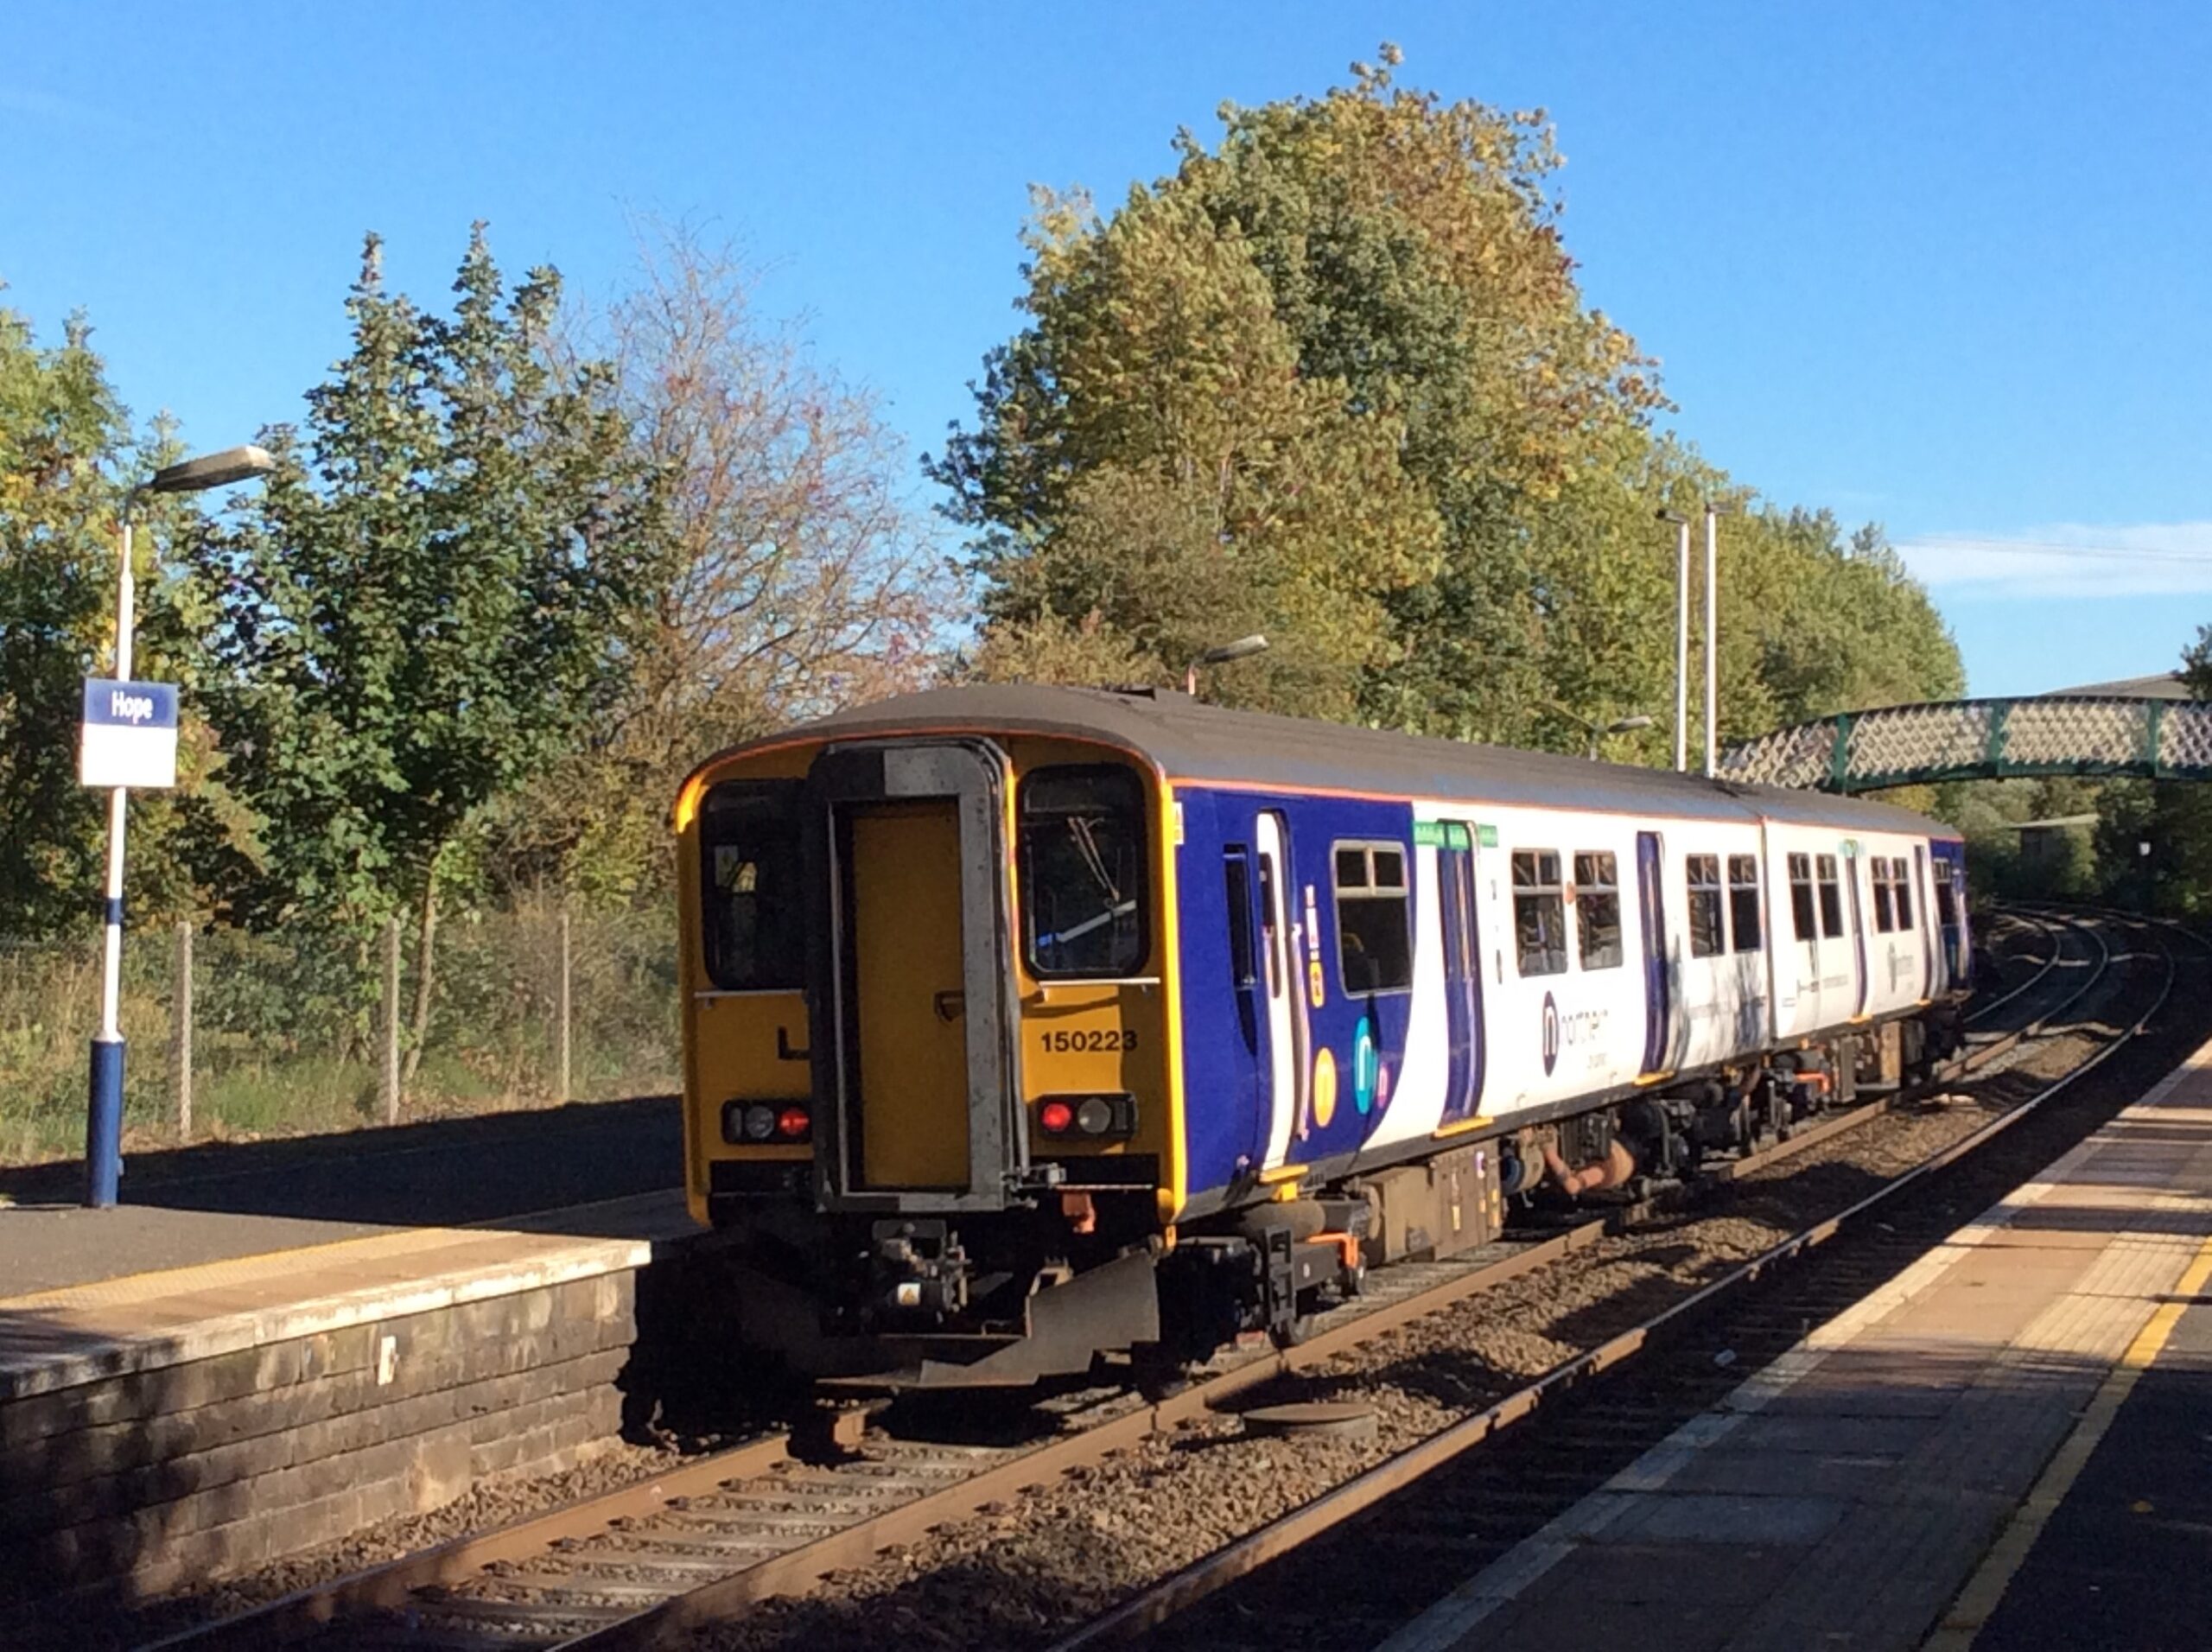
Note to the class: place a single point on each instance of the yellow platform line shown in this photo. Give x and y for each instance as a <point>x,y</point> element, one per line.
<point>1971,1612</point>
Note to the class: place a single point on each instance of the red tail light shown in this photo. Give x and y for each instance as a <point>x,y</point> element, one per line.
<point>793,1123</point>
<point>1057,1117</point>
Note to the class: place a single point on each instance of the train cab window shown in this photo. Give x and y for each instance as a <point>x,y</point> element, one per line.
<point>1801,898</point>
<point>1743,903</point>
<point>1946,902</point>
<point>1704,875</point>
<point>1831,898</point>
<point>1538,913</point>
<point>754,934</point>
<point>1885,913</point>
<point>1597,910</point>
<point>1374,942</point>
<point>1902,870</point>
<point>1082,880</point>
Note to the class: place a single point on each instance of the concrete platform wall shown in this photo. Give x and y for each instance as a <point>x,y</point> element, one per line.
<point>125,1486</point>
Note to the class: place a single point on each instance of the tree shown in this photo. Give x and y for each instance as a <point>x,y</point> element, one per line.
<point>793,579</point>
<point>1333,379</point>
<point>60,435</point>
<point>1156,413</point>
<point>68,455</point>
<point>441,586</point>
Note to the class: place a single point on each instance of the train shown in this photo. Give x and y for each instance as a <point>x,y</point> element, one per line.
<point>1028,1027</point>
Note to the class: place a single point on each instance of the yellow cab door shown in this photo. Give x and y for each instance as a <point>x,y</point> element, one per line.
<point>903,933</point>
<point>914,994</point>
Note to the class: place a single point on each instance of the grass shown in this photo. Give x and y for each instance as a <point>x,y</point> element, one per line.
<point>283,1030</point>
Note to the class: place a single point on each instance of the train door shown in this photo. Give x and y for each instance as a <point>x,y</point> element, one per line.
<point>1852,863</point>
<point>903,929</point>
<point>911,988</point>
<point>1287,1064</point>
<point>1931,957</point>
<point>1658,987</point>
<point>1455,885</point>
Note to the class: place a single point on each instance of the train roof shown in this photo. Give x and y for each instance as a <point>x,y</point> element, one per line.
<point>1192,740</point>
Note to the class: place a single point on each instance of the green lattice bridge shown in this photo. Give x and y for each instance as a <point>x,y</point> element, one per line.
<point>1965,739</point>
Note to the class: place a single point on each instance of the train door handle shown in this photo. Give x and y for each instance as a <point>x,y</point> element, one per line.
<point>950,1006</point>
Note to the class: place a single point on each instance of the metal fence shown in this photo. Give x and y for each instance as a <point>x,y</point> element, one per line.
<point>235,1034</point>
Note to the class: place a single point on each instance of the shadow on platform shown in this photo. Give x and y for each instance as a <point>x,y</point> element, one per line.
<point>442,1172</point>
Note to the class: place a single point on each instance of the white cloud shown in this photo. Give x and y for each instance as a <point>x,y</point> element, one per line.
<point>2066,560</point>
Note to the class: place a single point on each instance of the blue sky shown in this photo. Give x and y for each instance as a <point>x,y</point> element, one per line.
<point>1945,267</point>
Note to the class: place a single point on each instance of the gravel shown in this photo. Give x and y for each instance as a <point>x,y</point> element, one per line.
<point>1063,1553</point>
<point>1023,1572</point>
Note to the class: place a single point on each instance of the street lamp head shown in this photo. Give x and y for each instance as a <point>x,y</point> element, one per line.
<point>1628,725</point>
<point>1221,654</point>
<point>1715,507</point>
<point>1671,516</point>
<point>1243,648</point>
<point>213,470</point>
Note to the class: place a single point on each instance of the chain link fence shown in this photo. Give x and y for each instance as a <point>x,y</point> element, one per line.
<point>235,1034</point>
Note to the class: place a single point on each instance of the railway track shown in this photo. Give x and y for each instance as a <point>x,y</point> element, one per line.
<point>773,1517</point>
<point>1413,1527</point>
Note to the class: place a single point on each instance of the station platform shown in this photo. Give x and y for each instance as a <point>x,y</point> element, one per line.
<point>2009,1445</point>
<point>187,1393</point>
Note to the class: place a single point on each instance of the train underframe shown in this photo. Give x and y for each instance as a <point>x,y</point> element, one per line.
<point>1006,1298</point>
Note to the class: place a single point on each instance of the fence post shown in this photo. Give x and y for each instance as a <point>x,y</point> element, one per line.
<point>563,1087</point>
<point>390,1085</point>
<point>181,1031</point>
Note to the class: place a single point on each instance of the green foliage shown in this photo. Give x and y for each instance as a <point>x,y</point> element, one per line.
<point>60,431</point>
<point>1333,380</point>
<point>432,597</point>
<point>68,458</point>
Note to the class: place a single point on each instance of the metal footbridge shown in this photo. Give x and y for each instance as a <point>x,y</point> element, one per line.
<point>2154,738</point>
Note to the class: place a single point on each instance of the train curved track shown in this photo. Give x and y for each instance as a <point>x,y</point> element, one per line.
<point>704,1542</point>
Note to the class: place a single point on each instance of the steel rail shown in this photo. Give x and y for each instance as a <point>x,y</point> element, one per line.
<point>1181,1590</point>
<point>796,1571</point>
<point>2049,964</point>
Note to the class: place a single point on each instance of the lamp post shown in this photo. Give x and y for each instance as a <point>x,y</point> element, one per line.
<point>104,1117</point>
<point>1712,514</point>
<point>1243,648</point>
<point>1681,637</point>
<point>1597,731</point>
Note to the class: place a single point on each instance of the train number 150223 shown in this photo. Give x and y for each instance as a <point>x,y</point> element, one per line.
<point>1082,1041</point>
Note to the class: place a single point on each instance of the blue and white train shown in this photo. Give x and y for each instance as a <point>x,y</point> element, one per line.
<point>1024,1024</point>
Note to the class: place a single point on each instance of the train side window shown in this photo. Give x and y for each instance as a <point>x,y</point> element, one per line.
<point>754,933</point>
<point>1903,869</point>
<point>1083,873</point>
<point>1374,943</point>
<point>1597,910</point>
<point>1801,898</point>
<point>1704,874</point>
<point>1885,913</point>
<point>1271,947</point>
<point>1538,913</point>
<point>1831,898</point>
<point>1744,902</point>
<point>1237,888</point>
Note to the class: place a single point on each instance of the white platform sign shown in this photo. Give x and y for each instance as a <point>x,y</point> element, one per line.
<point>129,735</point>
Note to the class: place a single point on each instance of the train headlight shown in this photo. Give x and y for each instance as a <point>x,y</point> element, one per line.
<point>1095,1116</point>
<point>759,1121</point>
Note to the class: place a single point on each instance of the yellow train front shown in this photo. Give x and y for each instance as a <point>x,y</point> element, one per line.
<point>926,1074</point>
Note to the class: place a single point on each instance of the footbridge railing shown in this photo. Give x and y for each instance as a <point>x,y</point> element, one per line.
<point>1960,739</point>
